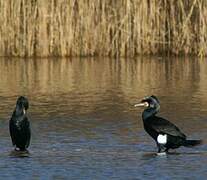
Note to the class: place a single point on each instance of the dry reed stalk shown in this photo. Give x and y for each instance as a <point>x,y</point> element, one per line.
<point>102,27</point>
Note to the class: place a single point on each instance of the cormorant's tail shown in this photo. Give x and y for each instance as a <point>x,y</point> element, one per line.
<point>190,143</point>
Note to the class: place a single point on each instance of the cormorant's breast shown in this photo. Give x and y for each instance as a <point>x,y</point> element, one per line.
<point>149,129</point>
<point>20,129</point>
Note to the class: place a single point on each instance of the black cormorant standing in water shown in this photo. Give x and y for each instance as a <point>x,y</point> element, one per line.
<point>166,134</point>
<point>19,125</point>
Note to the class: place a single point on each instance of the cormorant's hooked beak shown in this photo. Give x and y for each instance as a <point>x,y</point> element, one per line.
<point>142,104</point>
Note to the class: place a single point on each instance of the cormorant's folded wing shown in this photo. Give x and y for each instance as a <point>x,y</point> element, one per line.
<point>27,131</point>
<point>164,126</point>
<point>12,131</point>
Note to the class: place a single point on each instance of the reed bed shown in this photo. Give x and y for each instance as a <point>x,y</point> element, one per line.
<point>102,27</point>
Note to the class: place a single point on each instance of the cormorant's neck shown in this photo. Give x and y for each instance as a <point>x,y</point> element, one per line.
<point>19,111</point>
<point>149,112</point>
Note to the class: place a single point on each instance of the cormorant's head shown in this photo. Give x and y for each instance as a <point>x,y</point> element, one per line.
<point>22,103</point>
<point>149,102</point>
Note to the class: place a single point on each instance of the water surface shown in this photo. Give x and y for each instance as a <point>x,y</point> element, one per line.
<point>84,125</point>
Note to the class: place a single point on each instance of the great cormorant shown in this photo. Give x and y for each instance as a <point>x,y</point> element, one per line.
<point>19,125</point>
<point>166,134</point>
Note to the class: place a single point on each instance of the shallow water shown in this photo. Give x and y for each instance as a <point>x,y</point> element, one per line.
<point>84,125</point>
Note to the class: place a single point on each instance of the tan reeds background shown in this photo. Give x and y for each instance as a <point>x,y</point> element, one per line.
<point>102,27</point>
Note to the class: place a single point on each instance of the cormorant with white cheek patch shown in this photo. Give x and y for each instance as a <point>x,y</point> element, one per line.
<point>19,125</point>
<point>166,134</point>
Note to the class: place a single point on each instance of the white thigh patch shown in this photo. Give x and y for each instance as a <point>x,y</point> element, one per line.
<point>162,139</point>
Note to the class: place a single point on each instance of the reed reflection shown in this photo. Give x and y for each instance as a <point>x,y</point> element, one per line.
<point>93,85</point>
